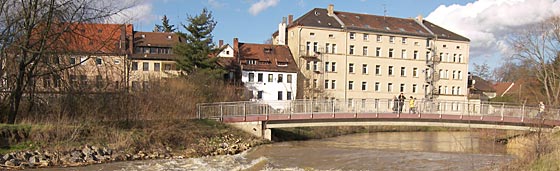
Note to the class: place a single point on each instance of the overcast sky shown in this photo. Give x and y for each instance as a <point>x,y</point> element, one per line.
<point>484,22</point>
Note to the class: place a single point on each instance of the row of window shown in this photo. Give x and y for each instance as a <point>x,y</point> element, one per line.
<point>83,80</point>
<point>153,50</point>
<point>373,103</point>
<point>331,84</point>
<point>279,78</point>
<point>331,67</point>
<point>379,38</point>
<point>83,61</point>
<point>155,67</point>
<point>279,97</point>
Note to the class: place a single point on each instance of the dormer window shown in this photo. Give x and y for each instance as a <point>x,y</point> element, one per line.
<point>143,36</point>
<point>168,37</point>
<point>282,63</point>
<point>251,62</point>
<point>268,50</point>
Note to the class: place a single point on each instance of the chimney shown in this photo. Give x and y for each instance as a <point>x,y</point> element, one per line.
<point>330,10</point>
<point>221,43</point>
<point>235,46</point>
<point>290,19</point>
<point>420,18</point>
<point>282,32</point>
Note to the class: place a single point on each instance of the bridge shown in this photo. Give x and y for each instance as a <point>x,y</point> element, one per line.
<point>259,117</point>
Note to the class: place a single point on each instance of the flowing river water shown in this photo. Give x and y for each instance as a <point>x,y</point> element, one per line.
<point>368,151</point>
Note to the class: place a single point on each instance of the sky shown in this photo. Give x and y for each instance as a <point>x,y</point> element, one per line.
<point>485,22</point>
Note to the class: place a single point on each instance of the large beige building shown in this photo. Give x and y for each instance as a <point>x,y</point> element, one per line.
<point>350,56</point>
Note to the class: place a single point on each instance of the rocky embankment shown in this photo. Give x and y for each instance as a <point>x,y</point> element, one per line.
<point>89,154</point>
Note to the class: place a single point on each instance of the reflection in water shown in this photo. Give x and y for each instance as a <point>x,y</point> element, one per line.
<point>372,151</point>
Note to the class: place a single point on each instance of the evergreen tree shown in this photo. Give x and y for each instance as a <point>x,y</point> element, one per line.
<point>195,53</point>
<point>165,26</point>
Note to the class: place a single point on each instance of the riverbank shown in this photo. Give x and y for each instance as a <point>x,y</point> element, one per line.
<point>538,151</point>
<point>32,146</point>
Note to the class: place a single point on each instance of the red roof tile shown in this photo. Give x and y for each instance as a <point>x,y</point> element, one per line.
<point>266,57</point>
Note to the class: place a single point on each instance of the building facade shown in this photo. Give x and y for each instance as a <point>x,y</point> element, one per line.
<point>350,56</point>
<point>267,71</point>
<point>153,58</point>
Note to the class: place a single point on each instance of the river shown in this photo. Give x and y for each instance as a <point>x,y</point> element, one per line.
<point>368,151</point>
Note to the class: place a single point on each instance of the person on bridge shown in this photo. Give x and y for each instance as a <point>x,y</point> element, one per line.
<point>411,104</point>
<point>401,102</point>
<point>541,109</point>
<point>395,104</point>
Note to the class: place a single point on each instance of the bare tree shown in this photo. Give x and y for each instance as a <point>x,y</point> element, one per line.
<point>538,46</point>
<point>34,33</point>
<point>482,71</point>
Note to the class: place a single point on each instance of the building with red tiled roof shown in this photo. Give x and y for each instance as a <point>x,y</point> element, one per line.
<point>351,56</point>
<point>153,57</point>
<point>268,71</point>
<point>481,89</point>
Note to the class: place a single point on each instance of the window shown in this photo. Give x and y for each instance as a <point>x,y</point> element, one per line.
<point>326,84</point>
<point>308,65</point>
<point>403,72</point>
<point>378,38</point>
<point>270,78</point>
<point>414,88</point>
<point>459,76</point>
<point>326,66</point>
<point>166,67</point>
<point>404,40</point>
<point>289,78</point>
<point>351,52</point>
<point>135,66</point>
<point>333,48</point>
<point>454,57</point>
<point>251,62</point>
<point>390,53</point>
<point>315,83</point>
<point>366,37</point>
<point>441,57</point>
<point>352,35</point>
<point>145,66</point>
<point>333,84</point>
<point>307,47</point>
<point>333,66</point>
<point>350,85</point>
<point>364,51</point>
<point>280,76</point>
<point>390,72</point>
<point>312,34</point>
<point>315,46</point>
<point>364,69</point>
<point>83,60</point>
<point>98,61</point>
<point>427,55</point>
<point>439,90</point>
<point>458,91</point>
<point>259,94</point>
<point>377,86</point>
<point>460,58</point>
<point>403,54</point>
<point>377,69</point>
<point>416,44</point>
<point>289,95</point>
<point>279,95</point>
<point>116,61</point>
<point>392,39</point>
<point>402,88</point>
<point>327,46</point>
<point>260,77</point>
<point>458,47</point>
<point>364,86</point>
<point>389,87</point>
<point>251,77</point>
<point>453,90</point>
<point>331,36</point>
<point>157,67</point>
<point>415,55</point>
<point>315,66</point>
<point>454,74</point>
<point>415,72</point>
<point>378,51</point>
<point>350,68</point>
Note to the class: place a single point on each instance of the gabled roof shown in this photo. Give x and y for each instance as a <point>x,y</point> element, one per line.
<point>503,87</point>
<point>273,58</point>
<point>318,17</point>
<point>155,39</point>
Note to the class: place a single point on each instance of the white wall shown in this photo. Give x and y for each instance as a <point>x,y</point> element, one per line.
<point>227,52</point>
<point>270,89</point>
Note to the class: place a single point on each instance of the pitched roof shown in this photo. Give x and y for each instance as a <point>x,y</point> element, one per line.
<point>503,87</point>
<point>88,38</point>
<point>483,85</point>
<point>155,39</point>
<point>274,58</point>
<point>318,17</point>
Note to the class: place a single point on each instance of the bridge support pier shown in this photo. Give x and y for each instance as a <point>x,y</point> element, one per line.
<point>257,128</point>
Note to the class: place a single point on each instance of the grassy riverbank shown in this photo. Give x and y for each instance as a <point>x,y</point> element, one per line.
<point>185,138</point>
<point>536,152</point>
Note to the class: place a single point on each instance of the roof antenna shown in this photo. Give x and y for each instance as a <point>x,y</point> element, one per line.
<point>384,11</point>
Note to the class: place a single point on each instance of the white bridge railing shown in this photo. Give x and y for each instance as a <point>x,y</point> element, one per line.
<point>294,107</point>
